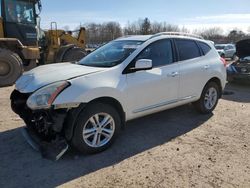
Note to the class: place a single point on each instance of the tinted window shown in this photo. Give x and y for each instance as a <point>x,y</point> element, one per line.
<point>20,11</point>
<point>205,48</point>
<point>159,52</point>
<point>187,49</point>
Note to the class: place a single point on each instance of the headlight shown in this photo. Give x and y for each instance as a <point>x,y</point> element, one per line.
<point>44,97</point>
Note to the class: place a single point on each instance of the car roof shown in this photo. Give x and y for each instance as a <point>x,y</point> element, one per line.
<point>135,37</point>
<point>144,38</point>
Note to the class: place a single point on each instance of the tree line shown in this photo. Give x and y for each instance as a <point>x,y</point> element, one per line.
<point>105,32</point>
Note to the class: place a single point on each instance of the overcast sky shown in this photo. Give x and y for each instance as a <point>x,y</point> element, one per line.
<point>228,14</point>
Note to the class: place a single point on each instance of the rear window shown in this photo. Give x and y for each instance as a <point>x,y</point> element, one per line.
<point>204,47</point>
<point>187,49</point>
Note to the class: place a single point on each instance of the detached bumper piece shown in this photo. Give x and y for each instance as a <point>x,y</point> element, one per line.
<point>44,130</point>
<point>53,150</point>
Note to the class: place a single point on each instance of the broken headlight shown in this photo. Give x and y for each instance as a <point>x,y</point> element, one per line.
<point>44,97</point>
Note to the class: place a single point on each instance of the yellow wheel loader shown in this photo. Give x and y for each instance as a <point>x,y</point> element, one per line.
<point>23,45</point>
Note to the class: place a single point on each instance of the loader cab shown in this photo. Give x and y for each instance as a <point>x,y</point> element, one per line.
<point>19,20</point>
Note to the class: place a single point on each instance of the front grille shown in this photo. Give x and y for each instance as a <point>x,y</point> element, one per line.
<point>18,103</point>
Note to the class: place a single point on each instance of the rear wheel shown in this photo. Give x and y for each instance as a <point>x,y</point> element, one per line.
<point>74,54</point>
<point>10,67</point>
<point>96,128</point>
<point>209,98</point>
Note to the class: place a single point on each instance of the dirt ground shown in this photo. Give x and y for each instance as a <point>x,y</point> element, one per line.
<point>175,148</point>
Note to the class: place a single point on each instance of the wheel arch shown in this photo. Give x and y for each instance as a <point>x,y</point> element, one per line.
<point>113,102</point>
<point>218,82</point>
<point>70,122</point>
<point>26,53</point>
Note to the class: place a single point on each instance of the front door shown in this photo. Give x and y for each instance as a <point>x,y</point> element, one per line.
<point>149,90</point>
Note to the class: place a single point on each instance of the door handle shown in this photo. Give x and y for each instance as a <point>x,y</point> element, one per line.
<point>206,67</point>
<point>173,74</point>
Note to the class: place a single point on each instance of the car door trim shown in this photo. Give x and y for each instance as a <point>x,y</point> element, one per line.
<point>162,104</point>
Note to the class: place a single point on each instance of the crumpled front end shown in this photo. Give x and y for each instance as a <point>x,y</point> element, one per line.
<point>44,128</point>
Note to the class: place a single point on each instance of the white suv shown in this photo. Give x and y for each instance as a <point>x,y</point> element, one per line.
<point>86,104</point>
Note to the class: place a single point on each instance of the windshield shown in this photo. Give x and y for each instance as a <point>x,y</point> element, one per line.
<point>110,54</point>
<point>20,11</point>
<point>220,47</point>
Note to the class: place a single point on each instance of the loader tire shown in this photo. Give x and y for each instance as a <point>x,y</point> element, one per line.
<point>74,55</point>
<point>11,67</point>
<point>32,64</point>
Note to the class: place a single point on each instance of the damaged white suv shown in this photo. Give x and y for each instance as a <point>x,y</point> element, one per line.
<point>84,105</point>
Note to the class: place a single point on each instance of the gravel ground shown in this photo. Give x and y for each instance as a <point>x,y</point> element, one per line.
<point>175,148</point>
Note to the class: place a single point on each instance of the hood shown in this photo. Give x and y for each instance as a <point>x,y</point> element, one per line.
<point>47,74</point>
<point>243,48</point>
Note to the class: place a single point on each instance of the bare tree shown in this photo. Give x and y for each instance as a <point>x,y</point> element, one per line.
<point>102,33</point>
<point>146,27</point>
<point>132,28</point>
<point>105,32</point>
<point>236,35</point>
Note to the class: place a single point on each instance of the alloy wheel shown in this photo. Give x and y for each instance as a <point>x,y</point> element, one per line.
<point>211,98</point>
<point>98,130</point>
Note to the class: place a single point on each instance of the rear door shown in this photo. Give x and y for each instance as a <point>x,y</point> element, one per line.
<point>192,68</point>
<point>151,90</point>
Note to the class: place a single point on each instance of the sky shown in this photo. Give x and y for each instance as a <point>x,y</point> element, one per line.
<point>192,14</point>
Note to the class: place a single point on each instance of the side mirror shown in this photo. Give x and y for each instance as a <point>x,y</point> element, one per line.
<point>143,64</point>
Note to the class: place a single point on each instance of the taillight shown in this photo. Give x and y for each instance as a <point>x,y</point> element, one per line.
<point>223,61</point>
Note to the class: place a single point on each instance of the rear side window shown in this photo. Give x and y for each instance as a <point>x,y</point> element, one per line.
<point>204,47</point>
<point>187,49</point>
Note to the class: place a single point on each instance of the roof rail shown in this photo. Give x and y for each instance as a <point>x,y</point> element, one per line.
<point>177,34</point>
<point>126,36</point>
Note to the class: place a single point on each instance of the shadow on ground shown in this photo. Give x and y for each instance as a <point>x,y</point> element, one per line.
<point>21,166</point>
<point>237,92</point>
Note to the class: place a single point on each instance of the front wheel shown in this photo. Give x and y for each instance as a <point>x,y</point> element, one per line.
<point>209,98</point>
<point>96,128</point>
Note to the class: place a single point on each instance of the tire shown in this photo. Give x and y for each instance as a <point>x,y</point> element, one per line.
<point>203,105</point>
<point>74,54</point>
<point>86,120</point>
<point>11,67</point>
<point>61,52</point>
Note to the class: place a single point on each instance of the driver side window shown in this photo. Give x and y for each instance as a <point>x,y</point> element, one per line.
<point>160,52</point>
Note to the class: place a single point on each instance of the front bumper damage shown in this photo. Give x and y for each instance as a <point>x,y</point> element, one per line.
<point>50,150</point>
<point>45,129</point>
